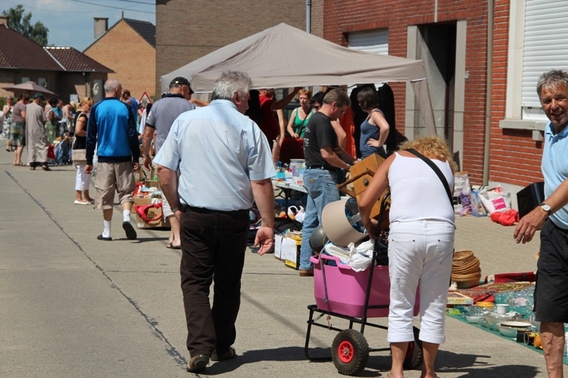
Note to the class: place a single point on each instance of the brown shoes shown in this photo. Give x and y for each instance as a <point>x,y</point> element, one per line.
<point>224,356</point>
<point>198,363</point>
<point>307,273</point>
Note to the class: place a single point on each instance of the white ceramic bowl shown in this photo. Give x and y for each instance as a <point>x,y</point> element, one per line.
<point>473,318</point>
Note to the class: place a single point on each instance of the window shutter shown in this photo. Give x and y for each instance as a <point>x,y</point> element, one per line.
<point>545,44</point>
<point>373,41</point>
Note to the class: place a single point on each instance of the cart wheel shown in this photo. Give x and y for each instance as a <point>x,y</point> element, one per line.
<point>414,357</point>
<point>350,352</point>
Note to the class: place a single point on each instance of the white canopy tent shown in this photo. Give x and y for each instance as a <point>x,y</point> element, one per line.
<point>284,56</point>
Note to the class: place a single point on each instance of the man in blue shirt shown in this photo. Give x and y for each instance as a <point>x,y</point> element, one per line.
<point>225,164</point>
<point>112,129</point>
<point>550,296</point>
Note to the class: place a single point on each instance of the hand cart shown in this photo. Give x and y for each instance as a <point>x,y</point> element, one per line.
<point>354,296</point>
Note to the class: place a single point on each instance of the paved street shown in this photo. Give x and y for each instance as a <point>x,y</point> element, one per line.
<point>73,306</point>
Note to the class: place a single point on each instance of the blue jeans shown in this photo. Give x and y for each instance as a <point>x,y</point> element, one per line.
<point>322,189</point>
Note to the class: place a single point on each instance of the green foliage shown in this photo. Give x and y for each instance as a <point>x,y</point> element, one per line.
<point>21,22</point>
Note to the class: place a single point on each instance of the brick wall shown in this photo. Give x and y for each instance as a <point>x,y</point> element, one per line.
<point>342,17</point>
<point>185,33</point>
<point>515,157</point>
<point>130,56</point>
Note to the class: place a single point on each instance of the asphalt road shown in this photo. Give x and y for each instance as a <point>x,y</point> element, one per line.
<point>73,306</point>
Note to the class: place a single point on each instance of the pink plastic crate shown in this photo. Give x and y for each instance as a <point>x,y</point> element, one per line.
<point>346,288</point>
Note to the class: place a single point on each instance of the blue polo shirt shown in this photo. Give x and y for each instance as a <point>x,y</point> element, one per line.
<point>555,168</point>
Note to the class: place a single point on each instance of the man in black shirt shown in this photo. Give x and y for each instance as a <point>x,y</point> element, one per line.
<point>324,158</point>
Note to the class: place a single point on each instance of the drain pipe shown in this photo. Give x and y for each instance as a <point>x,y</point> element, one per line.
<point>309,16</point>
<point>487,144</point>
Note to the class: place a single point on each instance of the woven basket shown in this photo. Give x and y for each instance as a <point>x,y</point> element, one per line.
<point>460,256</point>
<point>469,267</point>
<point>474,281</point>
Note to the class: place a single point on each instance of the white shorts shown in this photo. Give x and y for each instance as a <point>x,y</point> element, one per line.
<point>420,253</point>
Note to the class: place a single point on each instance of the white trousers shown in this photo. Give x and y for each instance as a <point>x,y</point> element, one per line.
<point>420,253</point>
<point>82,179</point>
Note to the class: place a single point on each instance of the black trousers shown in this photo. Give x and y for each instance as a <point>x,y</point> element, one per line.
<point>550,294</point>
<point>213,250</point>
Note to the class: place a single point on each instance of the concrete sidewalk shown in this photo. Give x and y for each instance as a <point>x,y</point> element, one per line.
<point>73,306</point>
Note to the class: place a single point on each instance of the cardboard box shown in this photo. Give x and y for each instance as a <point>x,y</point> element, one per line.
<point>290,252</point>
<point>153,213</point>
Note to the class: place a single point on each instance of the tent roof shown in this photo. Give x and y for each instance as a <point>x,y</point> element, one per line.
<point>284,56</point>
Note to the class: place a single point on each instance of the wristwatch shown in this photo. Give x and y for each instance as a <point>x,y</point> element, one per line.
<point>545,207</point>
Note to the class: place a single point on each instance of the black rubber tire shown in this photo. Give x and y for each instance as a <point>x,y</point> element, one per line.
<point>414,357</point>
<point>350,352</point>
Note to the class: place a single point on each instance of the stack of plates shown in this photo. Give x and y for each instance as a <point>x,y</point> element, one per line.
<point>510,328</point>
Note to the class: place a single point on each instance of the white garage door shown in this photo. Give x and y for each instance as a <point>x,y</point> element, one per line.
<point>373,41</point>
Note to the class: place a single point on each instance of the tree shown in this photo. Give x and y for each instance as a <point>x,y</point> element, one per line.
<point>21,23</point>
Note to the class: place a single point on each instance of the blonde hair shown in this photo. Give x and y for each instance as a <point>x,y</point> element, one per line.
<point>432,146</point>
<point>86,101</point>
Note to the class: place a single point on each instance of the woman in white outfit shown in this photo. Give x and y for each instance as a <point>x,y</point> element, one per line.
<point>421,242</point>
<point>83,180</point>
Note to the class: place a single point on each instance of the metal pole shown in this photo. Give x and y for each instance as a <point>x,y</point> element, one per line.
<point>487,144</point>
<point>308,16</point>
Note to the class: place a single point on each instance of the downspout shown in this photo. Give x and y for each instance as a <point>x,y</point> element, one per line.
<point>309,16</point>
<point>487,146</point>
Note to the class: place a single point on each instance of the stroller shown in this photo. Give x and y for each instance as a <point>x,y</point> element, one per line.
<point>63,151</point>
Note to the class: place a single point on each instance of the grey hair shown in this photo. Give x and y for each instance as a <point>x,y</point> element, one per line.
<point>338,96</point>
<point>229,83</point>
<point>551,79</point>
<point>111,85</point>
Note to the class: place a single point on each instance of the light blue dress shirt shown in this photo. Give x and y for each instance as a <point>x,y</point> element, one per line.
<point>218,151</point>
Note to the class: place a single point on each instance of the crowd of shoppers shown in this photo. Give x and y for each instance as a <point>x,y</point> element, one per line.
<point>210,217</point>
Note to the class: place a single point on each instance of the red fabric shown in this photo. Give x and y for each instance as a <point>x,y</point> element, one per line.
<point>50,152</point>
<point>348,125</point>
<point>142,211</point>
<point>506,218</point>
<point>484,298</point>
<point>514,277</point>
<point>292,148</point>
<point>268,123</point>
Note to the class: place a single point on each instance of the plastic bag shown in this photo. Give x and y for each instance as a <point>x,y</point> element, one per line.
<point>477,208</point>
<point>361,255</point>
<point>496,199</point>
<point>462,193</point>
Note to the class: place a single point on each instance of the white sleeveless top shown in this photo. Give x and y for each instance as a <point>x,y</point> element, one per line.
<point>416,191</point>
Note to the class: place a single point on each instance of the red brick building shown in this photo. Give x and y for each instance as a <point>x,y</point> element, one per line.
<point>483,59</point>
<point>451,38</point>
